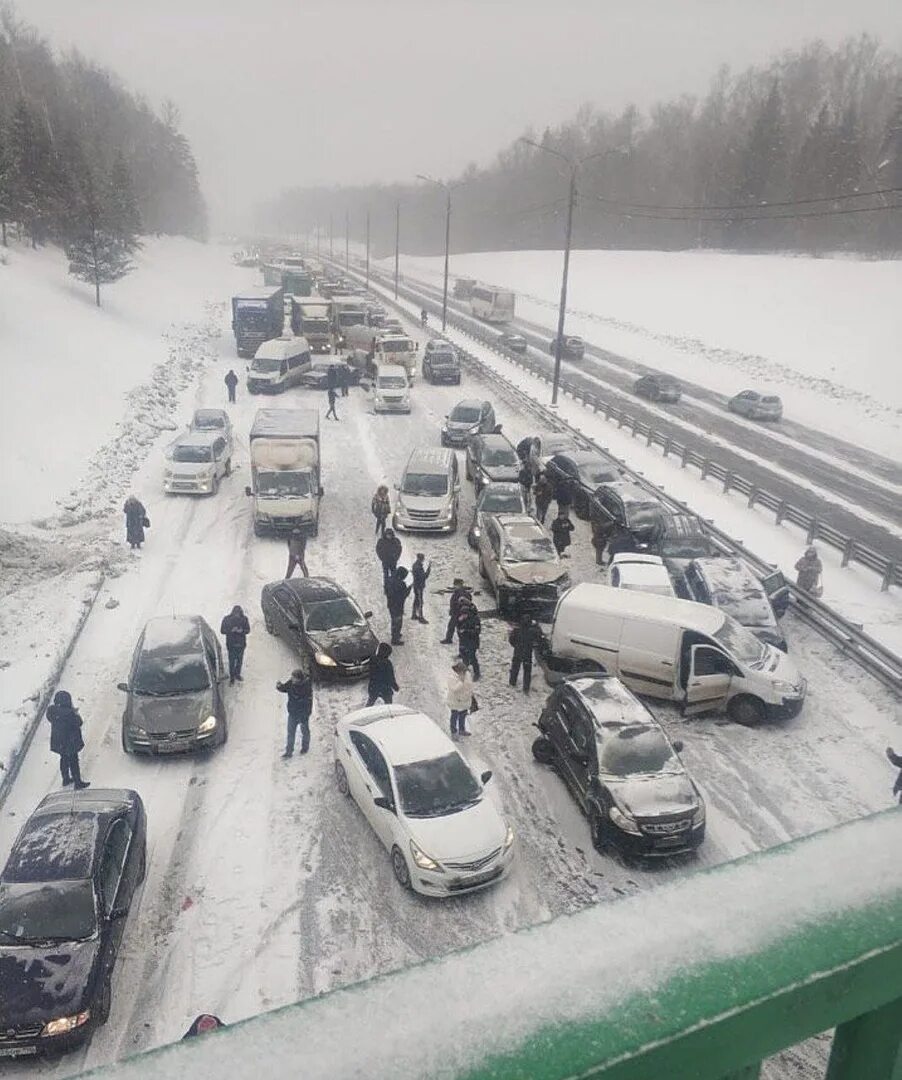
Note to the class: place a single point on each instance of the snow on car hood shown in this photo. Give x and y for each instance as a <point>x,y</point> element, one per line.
<point>504,473</point>
<point>346,644</point>
<point>190,468</point>
<point>533,573</point>
<point>38,983</point>
<point>469,833</point>
<point>654,796</point>
<point>423,502</point>
<point>180,712</point>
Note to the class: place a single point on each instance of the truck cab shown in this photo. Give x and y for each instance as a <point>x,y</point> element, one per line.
<point>285,471</point>
<point>397,349</point>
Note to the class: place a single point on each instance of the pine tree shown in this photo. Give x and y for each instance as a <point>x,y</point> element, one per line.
<point>99,250</point>
<point>122,215</point>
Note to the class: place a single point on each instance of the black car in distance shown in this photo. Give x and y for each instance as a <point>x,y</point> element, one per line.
<point>319,619</point>
<point>581,472</point>
<point>65,895</point>
<point>512,342</point>
<point>658,388</point>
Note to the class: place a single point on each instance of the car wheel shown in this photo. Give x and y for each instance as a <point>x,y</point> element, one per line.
<point>746,710</point>
<point>228,467</point>
<point>267,623</point>
<point>399,865</point>
<point>596,829</point>
<point>341,779</point>
<point>543,750</point>
<point>126,748</point>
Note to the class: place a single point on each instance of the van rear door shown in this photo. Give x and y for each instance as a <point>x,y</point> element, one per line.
<point>709,679</point>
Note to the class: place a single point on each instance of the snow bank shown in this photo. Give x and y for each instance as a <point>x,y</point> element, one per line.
<point>822,333</point>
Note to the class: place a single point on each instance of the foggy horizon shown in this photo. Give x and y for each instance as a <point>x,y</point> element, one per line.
<point>420,88</point>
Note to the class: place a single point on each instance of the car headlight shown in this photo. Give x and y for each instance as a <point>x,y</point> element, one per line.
<point>323,659</point>
<point>508,839</point>
<point>139,732</point>
<point>207,726</point>
<point>422,859</point>
<point>623,821</point>
<point>698,818</point>
<point>786,688</point>
<point>63,1024</point>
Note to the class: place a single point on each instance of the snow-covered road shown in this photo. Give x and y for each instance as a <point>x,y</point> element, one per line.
<point>264,885</point>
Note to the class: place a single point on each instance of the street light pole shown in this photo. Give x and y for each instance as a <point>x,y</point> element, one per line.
<point>397,242</point>
<point>447,187</point>
<point>367,248</point>
<point>317,240</point>
<point>347,233</point>
<point>331,236</point>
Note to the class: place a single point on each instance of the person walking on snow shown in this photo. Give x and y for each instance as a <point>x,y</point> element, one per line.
<point>388,551</point>
<point>542,492</point>
<point>382,683</point>
<point>66,739</point>
<point>297,552</point>
<point>419,572</point>
<point>809,569</point>
<point>231,381</point>
<point>896,759</point>
<point>469,629</point>
<point>235,627</point>
<point>381,508</point>
<point>561,528</point>
<point>299,689</point>
<point>460,697</point>
<point>136,521</point>
<point>460,590</point>
<point>396,593</point>
<point>523,638</point>
<point>332,394</point>
<point>343,380</point>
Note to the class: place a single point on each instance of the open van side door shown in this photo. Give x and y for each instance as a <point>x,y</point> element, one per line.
<point>709,679</point>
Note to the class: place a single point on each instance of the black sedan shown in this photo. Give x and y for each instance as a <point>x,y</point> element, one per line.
<point>323,623</point>
<point>658,388</point>
<point>513,342</point>
<point>317,378</point>
<point>582,472</point>
<point>65,895</point>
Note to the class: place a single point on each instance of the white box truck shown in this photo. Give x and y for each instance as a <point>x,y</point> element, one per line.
<point>285,471</point>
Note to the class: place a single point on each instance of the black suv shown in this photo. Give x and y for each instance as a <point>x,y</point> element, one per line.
<point>491,458</point>
<point>658,388</point>
<point>627,509</point>
<point>573,348</point>
<point>441,364</point>
<point>621,767</point>
<point>65,894</point>
<point>581,472</point>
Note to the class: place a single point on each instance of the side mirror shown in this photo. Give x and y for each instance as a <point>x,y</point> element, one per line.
<point>118,913</point>
<point>486,776</point>
<point>368,614</point>
<point>384,804</point>
<point>678,745</point>
<point>123,686</point>
<point>247,491</point>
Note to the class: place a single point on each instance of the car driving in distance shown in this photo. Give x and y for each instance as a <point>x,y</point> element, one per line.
<point>441,363</point>
<point>572,348</point>
<point>174,698</point>
<point>468,417</point>
<point>423,801</point>
<point>621,768</point>
<point>323,623</point>
<point>755,406</point>
<point>497,497</point>
<point>65,894</point>
<point>581,473</point>
<point>515,343</point>
<point>662,388</point>
<point>491,458</point>
<point>729,584</point>
<point>197,461</point>
<point>518,559</point>
<point>636,570</point>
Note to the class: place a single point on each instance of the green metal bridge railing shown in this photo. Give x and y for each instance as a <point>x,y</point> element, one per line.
<point>701,979</point>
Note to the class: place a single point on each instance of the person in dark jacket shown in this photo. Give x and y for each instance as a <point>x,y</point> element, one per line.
<point>65,738</point>
<point>601,531</point>
<point>332,394</point>
<point>396,593</point>
<point>542,492</point>
<point>136,521</point>
<point>561,528</point>
<point>231,381</point>
<point>525,478</point>
<point>524,448</point>
<point>382,682</point>
<point>388,551</point>
<point>620,541</point>
<point>332,376</point>
<point>380,505</point>
<point>458,591</point>
<point>419,573</point>
<point>235,627</point>
<point>469,629</point>
<point>896,759</point>
<point>297,552</point>
<point>562,496</point>
<point>299,689</point>
<point>343,376</point>
<point>524,637</point>
<point>809,569</point>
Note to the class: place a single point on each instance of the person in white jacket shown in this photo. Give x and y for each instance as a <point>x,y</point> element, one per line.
<point>460,696</point>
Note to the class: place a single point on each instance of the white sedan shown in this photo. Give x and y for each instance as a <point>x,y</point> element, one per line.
<point>645,573</point>
<point>423,801</point>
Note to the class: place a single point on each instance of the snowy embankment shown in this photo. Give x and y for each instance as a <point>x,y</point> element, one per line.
<point>822,333</point>
<point>87,394</point>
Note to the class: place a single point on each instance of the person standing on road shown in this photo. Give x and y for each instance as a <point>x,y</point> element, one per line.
<point>235,627</point>
<point>419,572</point>
<point>231,381</point>
<point>382,682</point>
<point>299,689</point>
<point>561,528</point>
<point>343,376</point>
<point>600,534</point>
<point>388,551</point>
<point>458,591</point>
<point>136,521</point>
<point>524,637</point>
<point>896,759</point>
<point>542,493</point>
<point>809,569</point>
<point>332,394</point>
<point>525,479</point>
<point>297,552</point>
<point>381,508</point>
<point>66,739</point>
<point>396,593</point>
<point>460,697</point>
<point>469,629</point>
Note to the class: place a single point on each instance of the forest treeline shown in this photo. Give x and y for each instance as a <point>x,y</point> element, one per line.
<point>779,157</point>
<point>84,162</point>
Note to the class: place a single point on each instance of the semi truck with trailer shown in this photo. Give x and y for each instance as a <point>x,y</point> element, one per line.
<point>258,314</point>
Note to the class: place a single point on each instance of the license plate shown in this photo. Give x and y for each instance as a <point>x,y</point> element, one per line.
<point>670,841</point>
<point>17,1051</point>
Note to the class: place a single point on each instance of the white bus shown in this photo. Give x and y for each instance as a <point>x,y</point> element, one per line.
<point>491,304</point>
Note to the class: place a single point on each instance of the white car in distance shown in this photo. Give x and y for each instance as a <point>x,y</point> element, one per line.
<point>196,462</point>
<point>644,573</point>
<point>423,801</point>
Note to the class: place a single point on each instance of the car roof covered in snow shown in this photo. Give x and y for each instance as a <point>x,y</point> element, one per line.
<point>282,348</point>
<point>611,704</point>
<point>735,589</point>
<point>172,633</point>
<point>209,416</point>
<point>197,437</point>
<point>407,736</point>
<point>313,590</point>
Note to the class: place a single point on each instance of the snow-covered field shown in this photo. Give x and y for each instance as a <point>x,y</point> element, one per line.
<point>824,334</point>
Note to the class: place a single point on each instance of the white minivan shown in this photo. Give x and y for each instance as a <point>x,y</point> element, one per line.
<point>677,650</point>
<point>278,364</point>
<point>391,389</point>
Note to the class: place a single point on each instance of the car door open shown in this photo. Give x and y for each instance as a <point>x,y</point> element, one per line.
<point>710,678</point>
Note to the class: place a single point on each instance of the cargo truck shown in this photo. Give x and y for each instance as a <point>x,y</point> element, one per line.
<point>311,318</point>
<point>397,349</point>
<point>257,315</point>
<point>347,311</point>
<point>297,281</point>
<point>285,471</point>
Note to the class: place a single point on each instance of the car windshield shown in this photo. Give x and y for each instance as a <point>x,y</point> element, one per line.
<point>443,357</point>
<point>499,455</point>
<point>396,345</point>
<point>437,787</point>
<point>332,614</point>
<point>527,545</point>
<point>351,318</point>
<point>391,382</point>
<point>193,454</point>
<point>770,401</point>
<point>160,674</point>
<point>636,751</point>
<point>594,474</point>
<point>35,912</point>
<point>286,483</point>
<point>315,326</point>
<point>208,422</point>
<point>425,484</point>
<point>685,547</point>
<point>741,643</point>
<point>502,502</point>
<point>464,414</point>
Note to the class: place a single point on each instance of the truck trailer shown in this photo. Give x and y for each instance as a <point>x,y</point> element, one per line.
<point>257,315</point>
<point>285,471</point>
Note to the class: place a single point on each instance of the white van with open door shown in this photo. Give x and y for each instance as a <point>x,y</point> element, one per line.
<point>278,364</point>
<point>676,650</point>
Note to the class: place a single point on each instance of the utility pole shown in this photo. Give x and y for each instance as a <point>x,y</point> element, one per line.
<point>397,242</point>
<point>347,233</point>
<point>331,237</point>
<point>367,247</point>
<point>447,187</point>
<point>317,239</point>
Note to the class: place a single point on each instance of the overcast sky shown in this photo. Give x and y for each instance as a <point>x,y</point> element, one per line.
<point>276,93</point>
